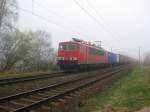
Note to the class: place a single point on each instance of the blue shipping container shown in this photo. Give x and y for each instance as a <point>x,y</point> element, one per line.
<point>112,58</point>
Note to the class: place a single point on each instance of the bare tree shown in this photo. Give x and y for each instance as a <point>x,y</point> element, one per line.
<point>14,48</point>
<point>2,5</point>
<point>23,50</point>
<point>8,14</point>
<point>40,54</point>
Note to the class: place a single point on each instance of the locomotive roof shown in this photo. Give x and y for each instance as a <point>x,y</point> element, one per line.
<point>86,44</point>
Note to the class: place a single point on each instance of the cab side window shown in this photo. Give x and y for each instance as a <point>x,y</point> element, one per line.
<point>94,51</point>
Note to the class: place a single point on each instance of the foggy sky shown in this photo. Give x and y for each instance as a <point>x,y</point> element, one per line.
<point>125,24</point>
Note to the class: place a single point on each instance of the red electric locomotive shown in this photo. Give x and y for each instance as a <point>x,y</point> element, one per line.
<point>77,54</point>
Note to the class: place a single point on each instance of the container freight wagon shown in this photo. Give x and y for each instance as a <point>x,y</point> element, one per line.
<point>124,59</point>
<point>112,58</point>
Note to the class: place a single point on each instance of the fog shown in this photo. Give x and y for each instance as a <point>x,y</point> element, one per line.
<point>122,25</point>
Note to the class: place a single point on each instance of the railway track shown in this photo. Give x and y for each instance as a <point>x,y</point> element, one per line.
<point>11,81</point>
<point>31,100</point>
<point>30,83</point>
<point>31,78</point>
<point>16,85</point>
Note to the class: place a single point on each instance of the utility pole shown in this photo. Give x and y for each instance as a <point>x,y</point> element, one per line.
<point>139,55</point>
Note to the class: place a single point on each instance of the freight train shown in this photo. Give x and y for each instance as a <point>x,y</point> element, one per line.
<point>78,54</point>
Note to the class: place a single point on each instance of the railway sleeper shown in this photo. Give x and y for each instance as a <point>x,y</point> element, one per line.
<point>49,93</point>
<point>26,101</point>
<point>35,97</point>
<point>43,109</point>
<point>17,103</point>
<point>6,109</point>
<point>44,95</point>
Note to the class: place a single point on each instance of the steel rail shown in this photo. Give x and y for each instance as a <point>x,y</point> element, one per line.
<point>10,97</point>
<point>8,81</point>
<point>60,95</point>
<point>35,104</point>
<point>30,78</point>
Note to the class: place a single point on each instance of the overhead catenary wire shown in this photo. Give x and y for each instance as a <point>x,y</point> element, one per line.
<point>94,18</point>
<point>56,14</point>
<point>54,22</point>
<point>70,22</point>
<point>90,15</point>
<point>96,11</point>
<point>49,11</point>
<point>107,26</point>
<point>46,20</point>
<point>59,15</point>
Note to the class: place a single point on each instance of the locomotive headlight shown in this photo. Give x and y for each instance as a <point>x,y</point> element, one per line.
<point>74,58</point>
<point>62,58</point>
<point>58,58</point>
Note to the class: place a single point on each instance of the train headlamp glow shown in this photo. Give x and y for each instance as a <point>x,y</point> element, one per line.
<point>74,58</point>
<point>60,58</point>
<point>71,58</point>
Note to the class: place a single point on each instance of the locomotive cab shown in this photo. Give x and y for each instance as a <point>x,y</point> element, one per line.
<point>68,55</point>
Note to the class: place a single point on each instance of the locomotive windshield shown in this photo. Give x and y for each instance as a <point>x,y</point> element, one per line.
<point>67,47</point>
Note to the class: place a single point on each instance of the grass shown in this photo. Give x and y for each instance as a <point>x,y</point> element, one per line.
<point>7,75</point>
<point>131,93</point>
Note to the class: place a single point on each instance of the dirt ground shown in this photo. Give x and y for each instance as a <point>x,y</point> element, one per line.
<point>146,109</point>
